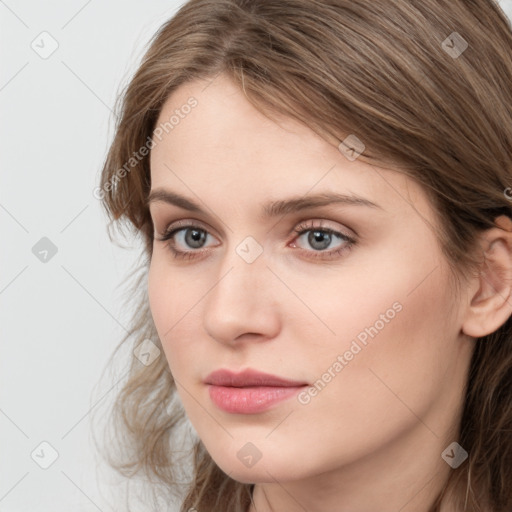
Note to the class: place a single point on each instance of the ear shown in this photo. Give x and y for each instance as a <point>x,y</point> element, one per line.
<point>491,305</point>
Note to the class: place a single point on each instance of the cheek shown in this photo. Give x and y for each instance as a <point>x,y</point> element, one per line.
<point>391,330</point>
<point>396,343</point>
<point>160,295</point>
<point>390,293</point>
<point>174,299</point>
<point>166,296</point>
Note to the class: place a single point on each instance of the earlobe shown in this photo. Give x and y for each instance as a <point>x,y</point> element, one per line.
<point>491,305</point>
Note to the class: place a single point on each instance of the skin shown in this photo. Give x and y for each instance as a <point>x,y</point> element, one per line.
<point>372,438</point>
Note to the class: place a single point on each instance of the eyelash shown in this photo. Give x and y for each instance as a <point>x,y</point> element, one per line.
<point>299,230</point>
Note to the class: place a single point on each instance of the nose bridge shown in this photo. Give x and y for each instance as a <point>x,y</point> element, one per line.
<point>242,268</point>
<point>239,301</point>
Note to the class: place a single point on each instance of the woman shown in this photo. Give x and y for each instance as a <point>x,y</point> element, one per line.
<point>323,192</point>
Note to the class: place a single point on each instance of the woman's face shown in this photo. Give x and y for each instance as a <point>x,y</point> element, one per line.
<point>357,310</point>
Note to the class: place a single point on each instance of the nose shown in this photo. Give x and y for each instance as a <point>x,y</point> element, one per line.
<point>241,305</point>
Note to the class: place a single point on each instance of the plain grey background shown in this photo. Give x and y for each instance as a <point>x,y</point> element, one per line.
<point>60,319</point>
<point>61,293</point>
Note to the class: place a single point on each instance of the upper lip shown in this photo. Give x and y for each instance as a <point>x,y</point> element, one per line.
<point>249,378</point>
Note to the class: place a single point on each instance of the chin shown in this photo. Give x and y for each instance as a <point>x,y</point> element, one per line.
<point>265,470</point>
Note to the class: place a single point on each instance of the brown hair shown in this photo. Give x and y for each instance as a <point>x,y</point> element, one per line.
<point>387,72</point>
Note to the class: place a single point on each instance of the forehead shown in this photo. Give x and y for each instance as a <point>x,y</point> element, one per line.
<point>223,144</point>
<point>222,109</point>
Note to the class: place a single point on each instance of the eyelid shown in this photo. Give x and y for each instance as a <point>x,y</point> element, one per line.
<point>303,223</point>
<point>311,223</point>
<point>186,223</point>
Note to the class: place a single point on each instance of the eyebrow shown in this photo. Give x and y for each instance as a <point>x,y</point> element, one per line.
<point>272,208</point>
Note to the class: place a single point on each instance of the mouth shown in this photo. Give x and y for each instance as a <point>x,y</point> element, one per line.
<point>250,391</point>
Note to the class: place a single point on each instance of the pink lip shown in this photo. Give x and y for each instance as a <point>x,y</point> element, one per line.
<point>250,391</point>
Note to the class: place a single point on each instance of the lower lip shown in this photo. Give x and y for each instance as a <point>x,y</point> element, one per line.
<point>249,400</point>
